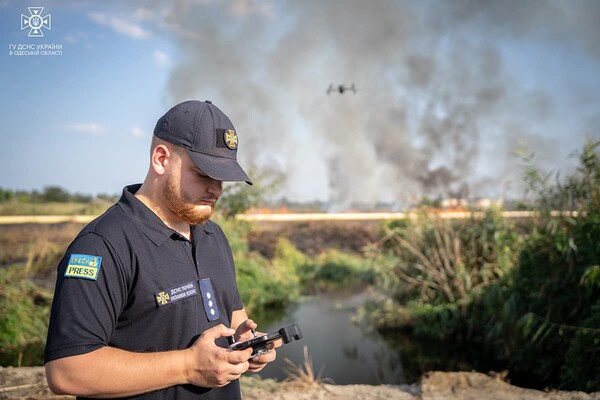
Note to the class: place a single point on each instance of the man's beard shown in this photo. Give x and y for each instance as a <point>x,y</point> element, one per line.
<point>183,207</point>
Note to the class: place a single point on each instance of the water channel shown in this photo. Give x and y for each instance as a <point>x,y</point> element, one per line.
<point>342,351</point>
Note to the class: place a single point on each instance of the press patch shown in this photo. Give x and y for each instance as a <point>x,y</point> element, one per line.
<point>175,294</point>
<point>83,266</point>
<point>211,309</point>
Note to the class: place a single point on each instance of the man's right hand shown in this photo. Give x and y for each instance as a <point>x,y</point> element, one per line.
<point>209,365</point>
<point>111,372</point>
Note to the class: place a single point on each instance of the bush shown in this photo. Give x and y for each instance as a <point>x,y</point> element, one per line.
<point>557,305</point>
<point>542,319</point>
<point>432,262</point>
<point>24,312</point>
<point>262,283</point>
<point>556,287</point>
<point>582,359</point>
<point>533,304</point>
<point>335,269</point>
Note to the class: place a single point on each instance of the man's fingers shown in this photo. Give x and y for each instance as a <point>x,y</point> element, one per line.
<point>217,331</point>
<point>248,325</point>
<point>265,357</point>
<point>243,330</point>
<point>238,356</point>
<point>259,362</point>
<point>239,369</point>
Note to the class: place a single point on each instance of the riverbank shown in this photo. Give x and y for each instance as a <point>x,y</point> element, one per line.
<point>29,383</point>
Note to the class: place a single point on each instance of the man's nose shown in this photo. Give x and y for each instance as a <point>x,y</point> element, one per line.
<point>215,188</point>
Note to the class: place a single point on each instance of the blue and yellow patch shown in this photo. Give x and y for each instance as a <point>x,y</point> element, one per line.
<point>83,266</point>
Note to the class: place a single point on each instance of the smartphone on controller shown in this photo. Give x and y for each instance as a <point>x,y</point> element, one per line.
<point>260,344</point>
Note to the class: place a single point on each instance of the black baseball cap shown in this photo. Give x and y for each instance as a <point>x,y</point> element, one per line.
<point>207,135</point>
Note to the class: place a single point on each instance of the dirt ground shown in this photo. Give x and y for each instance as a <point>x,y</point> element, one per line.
<point>29,383</point>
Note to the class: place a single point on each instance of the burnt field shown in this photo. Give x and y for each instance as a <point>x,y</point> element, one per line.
<point>35,243</point>
<point>313,237</point>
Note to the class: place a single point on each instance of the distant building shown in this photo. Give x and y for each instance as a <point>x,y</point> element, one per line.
<point>454,203</point>
<point>486,204</point>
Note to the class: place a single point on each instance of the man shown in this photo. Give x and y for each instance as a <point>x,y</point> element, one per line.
<point>146,300</point>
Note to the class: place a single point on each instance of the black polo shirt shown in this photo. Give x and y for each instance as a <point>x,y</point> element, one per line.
<point>129,281</point>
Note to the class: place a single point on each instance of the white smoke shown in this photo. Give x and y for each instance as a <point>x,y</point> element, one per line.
<point>437,111</point>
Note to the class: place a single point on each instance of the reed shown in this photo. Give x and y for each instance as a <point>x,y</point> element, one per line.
<point>304,373</point>
<point>437,261</point>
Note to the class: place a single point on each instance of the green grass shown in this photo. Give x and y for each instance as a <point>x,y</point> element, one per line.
<point>95,207</point>
<point>24,312</point>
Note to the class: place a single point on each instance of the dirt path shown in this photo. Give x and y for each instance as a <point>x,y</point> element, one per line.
<point>29,383</point>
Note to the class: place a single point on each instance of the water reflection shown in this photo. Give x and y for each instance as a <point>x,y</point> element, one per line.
<point>341,350</point>
<point>421,355</point>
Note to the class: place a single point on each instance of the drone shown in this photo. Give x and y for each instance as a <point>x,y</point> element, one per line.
<point>341,88</point>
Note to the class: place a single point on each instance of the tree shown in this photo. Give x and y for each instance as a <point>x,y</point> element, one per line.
<point>6,195</point>
<point>238,197</point>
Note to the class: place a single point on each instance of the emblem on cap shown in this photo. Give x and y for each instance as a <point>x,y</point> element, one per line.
<point>230,138</point>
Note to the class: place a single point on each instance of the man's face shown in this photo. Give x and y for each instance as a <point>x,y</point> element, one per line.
<point>189,193</point>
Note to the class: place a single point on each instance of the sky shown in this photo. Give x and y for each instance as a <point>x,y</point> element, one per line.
<point>446,91</point>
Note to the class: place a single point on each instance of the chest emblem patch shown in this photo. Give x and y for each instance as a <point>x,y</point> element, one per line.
<point>83,266</point>
<point>175,294</point>
<point>211,309</point>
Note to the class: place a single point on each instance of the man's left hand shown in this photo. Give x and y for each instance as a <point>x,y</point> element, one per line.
<point>244,332</point>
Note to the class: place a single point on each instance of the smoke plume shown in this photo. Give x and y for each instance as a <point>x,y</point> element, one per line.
<point>437,111</point>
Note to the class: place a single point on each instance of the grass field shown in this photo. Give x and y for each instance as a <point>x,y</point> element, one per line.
<point>14,208</point>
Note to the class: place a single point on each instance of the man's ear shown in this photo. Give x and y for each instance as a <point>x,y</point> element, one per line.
<point>161,155</point>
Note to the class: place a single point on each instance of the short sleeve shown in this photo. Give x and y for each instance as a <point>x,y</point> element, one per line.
<point>91,291</point>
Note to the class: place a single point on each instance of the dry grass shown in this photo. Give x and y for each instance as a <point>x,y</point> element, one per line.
<point>21,243</point>
<point>42,260</point>
<point>304,374</point>
<point>439,259</point>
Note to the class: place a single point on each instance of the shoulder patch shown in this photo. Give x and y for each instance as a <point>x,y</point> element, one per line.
<point>83,266</point>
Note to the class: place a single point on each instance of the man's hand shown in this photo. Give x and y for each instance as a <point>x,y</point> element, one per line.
<point>257,363</point>
<point>209,365</point>
<point>244,331</point>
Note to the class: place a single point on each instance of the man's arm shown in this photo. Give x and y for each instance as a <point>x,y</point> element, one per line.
<point>111,372</point>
